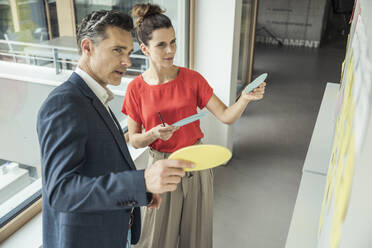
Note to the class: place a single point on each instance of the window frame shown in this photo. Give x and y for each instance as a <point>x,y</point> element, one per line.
<point>20,215</point>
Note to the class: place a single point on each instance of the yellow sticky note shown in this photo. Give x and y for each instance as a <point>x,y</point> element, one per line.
<point>342,69</point>
<point>321,216</point>
<point>335,230</point>
<point>347,179</point>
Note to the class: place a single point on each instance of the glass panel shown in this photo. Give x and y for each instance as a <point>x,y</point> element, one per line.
<point>5,18</point>
<point>24,18</point>
<point>26,30</point>
<point>19,153</point>
<point>52,7</point>
<point>84,7</point>
<point>29,32</point>
<point>176,11</point>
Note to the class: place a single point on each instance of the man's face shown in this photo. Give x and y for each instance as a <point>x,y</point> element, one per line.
<point>109,58</point>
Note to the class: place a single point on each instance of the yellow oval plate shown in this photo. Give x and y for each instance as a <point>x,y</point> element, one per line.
<point>203,156</point>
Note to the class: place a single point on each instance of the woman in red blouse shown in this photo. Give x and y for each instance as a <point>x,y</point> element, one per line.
<point>184,218</point>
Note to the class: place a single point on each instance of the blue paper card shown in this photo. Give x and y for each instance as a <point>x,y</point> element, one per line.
<point>189,119</point>
<point>259,80</point>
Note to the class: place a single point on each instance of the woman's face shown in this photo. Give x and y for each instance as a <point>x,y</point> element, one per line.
<point>161,49</point>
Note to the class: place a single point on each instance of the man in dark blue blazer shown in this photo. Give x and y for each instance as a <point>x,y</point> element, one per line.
<point>91,188</point>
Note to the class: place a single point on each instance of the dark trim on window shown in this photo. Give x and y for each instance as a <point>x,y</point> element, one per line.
<point>19,209</point>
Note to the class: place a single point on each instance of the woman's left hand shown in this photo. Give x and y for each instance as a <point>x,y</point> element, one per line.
<point>256,94</point>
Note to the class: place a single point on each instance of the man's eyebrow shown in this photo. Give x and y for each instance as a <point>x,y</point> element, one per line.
<point>121,47</point>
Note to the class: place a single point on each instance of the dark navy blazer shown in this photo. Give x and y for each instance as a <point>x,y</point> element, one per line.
<point>90,183</point>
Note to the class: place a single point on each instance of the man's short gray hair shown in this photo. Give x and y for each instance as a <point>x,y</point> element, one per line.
<point>93,26</point>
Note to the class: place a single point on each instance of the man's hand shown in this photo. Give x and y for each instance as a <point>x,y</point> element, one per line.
<point>155,202</point>
<point>164,175</point>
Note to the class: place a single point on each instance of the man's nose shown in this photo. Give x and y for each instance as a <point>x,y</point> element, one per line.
<point>126,61</point>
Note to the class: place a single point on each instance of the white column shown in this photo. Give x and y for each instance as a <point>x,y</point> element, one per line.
<point>217,33</point>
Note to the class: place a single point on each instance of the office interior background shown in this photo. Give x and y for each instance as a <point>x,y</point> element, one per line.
<point>299,175</point>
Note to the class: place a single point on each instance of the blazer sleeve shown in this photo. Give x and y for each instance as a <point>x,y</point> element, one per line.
<point>63,136</point>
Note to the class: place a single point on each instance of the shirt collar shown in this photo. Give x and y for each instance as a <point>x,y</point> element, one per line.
<point>103,93</point>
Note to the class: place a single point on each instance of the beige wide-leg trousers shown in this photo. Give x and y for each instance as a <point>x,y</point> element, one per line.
<point>184,219</point>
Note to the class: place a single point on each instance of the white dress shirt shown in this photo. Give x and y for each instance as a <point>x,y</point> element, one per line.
<point>103,93</point>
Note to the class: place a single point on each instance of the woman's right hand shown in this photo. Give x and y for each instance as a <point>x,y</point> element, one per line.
<point>163,133</point>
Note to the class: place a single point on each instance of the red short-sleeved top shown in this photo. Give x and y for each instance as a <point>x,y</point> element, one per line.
<point>175,100</point>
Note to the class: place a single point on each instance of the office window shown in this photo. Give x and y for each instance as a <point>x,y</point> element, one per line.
<point>84,7</point>
<point>28,30</point>
<point>42,32</point>
<point>27,17</point>
<point>176,10</point>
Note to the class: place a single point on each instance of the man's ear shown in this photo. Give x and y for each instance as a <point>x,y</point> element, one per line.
<point>144,49</point>
<point>86,46</point>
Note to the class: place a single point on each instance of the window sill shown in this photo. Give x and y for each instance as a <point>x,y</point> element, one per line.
<point>47,75</point>
<point>30,233</point>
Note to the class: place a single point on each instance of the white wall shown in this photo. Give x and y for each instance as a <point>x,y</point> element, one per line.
<point>217,30</point>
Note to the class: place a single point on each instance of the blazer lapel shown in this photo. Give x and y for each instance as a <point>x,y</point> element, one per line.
<point>121,141</point>
<point>105,115</point>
